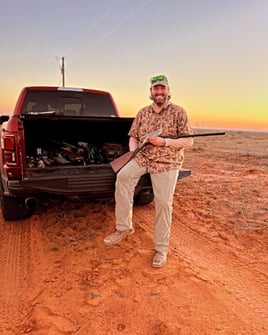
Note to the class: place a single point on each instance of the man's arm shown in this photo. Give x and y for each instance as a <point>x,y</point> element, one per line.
<point>172,142</point>
<point>179,142</point>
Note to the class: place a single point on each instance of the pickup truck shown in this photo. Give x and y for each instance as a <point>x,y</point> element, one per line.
<point>60,141</point>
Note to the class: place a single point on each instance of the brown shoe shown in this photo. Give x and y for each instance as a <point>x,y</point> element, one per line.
<point>117,236</point>
<point>159,260</point>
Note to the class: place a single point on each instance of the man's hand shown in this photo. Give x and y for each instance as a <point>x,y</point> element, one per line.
<point>157,141</point>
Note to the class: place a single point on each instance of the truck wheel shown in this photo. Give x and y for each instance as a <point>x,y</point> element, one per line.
<point>13,208</point>
<point>144,197</point>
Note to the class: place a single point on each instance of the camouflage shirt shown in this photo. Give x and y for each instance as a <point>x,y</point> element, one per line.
<point>173,121</point>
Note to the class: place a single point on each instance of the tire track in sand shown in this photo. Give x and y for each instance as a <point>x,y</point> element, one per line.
<point>244,288</point>
<point>14,264</point>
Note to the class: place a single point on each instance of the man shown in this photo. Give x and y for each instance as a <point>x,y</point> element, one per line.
<point>162,158</point>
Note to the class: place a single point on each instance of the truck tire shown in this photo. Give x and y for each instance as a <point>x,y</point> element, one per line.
<point>13,208</point>
<point>144,197</point>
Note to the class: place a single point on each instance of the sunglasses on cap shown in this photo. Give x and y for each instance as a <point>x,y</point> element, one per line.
<point>158,78</point>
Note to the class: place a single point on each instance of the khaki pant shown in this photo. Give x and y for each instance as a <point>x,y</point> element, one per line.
<point>163,187</point>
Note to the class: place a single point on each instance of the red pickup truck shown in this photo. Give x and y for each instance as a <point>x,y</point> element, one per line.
<point>60,141</point>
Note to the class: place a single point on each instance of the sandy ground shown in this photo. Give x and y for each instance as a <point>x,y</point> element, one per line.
<point>57,277</point>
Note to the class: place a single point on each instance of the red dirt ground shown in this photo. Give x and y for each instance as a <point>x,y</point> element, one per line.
<point>57,277</point>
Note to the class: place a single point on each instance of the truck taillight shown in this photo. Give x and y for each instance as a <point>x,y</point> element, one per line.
<point>9,143</point>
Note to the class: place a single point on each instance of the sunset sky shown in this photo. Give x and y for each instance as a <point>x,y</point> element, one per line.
<point>214,52</point>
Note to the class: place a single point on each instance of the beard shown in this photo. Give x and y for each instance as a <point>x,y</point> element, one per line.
<point>160,99</point>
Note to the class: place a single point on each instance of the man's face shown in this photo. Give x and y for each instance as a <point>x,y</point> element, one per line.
<point>159,94</point>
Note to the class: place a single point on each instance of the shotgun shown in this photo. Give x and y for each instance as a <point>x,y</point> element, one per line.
<point>121,161</point>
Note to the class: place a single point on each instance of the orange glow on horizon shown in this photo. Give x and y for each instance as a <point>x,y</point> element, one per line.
<point>209,118</point>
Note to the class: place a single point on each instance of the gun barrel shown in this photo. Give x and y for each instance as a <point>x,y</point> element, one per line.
<point>196,135</point>
<point>209,134</point>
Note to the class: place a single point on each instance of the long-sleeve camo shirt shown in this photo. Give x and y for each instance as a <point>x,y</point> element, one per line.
<point>173,121</point>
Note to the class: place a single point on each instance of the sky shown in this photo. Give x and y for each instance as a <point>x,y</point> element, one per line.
<point>214,52</point>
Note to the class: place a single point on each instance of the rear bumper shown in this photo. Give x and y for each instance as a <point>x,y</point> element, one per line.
<point>75,181</point>
<point>65,181</point>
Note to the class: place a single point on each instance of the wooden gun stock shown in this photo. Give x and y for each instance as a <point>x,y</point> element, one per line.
<point>121,161</point>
